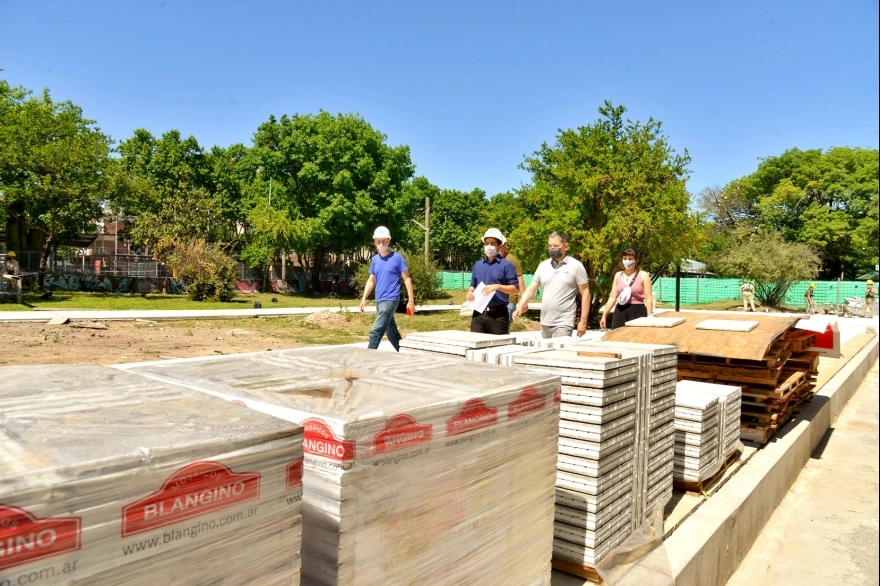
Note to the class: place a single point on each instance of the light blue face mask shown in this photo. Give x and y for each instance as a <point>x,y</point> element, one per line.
<point>628,264</point>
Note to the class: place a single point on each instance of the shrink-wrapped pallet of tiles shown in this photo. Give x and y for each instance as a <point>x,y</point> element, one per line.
<point>418,469</point>
<point>654,414</point>
<point>451,342</point>
<point>594,485</point>
<point>697,427</point>
<point>730,398</point>
<point>109,478</point>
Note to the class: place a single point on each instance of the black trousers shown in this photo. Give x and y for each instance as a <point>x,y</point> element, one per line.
<point>495,320</point>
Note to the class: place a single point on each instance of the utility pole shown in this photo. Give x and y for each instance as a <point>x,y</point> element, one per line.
<point>427,228</point>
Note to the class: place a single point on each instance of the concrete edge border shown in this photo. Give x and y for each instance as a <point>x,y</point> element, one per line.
<point>708,548</point>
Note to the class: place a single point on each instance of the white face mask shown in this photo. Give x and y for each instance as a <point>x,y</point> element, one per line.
<point>382,248</point>
<point>628,264</point>
<point>490,250</point>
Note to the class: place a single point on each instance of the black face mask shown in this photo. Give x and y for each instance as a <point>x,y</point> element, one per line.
<point>555,253</point>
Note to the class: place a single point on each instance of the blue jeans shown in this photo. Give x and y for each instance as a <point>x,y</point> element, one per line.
<point>511,307</point>
<point>385,324</point>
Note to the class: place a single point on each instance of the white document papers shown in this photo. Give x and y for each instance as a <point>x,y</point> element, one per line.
<point>481,302</point>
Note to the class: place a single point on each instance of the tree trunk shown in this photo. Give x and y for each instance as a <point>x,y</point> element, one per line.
<point>317,264</point>
<point>44,260</point>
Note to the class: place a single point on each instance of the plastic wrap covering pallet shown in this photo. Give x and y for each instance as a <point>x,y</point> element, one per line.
<point>654,429</point>
<point>597,432</point>
<point>730,398</point>
<point>108,478</point>
<point>418,469</point>
<point>697,435</point>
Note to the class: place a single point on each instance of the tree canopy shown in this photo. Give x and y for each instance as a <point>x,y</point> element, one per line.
<point>609,185</point>
<point>826,199</point>
<point>54,167</point>
<point>335,179</point>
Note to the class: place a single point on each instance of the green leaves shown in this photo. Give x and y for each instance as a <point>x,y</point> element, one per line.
<point>771,262</point>
<point>824,198</point>
<point>610,185</point>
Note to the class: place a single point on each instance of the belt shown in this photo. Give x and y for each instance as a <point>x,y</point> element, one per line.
<point>495,309</point>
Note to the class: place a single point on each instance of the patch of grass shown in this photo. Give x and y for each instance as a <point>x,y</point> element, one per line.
<point>114,301</point>
<point>56,338</point>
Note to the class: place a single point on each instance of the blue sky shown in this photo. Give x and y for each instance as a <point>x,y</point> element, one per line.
<point>471,87</point>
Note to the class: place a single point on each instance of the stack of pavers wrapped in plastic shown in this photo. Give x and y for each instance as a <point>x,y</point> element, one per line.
<point>632,414</point>
<point>697,436</point>
<point>655,428</point>
<point>595,478</point>
<point>109,478</point>
<point>418,469</point>
<point>730,399</point>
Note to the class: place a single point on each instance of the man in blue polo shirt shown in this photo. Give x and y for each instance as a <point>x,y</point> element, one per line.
<point>498,276</point>
<point>386,269</point>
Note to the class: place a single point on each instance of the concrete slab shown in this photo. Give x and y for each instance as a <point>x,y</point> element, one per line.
<point>707,548</point>
<point>825,531</point>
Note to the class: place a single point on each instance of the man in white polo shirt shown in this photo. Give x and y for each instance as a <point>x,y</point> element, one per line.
<point>561,277</point>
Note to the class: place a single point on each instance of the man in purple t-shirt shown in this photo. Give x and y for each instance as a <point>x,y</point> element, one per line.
<point>386,269</point>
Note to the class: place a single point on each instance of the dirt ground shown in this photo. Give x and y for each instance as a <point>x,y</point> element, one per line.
<point>114,342</point>
<point>125,341</point>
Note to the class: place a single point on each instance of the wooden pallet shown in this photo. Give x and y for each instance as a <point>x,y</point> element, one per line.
<point>757,433</point>
<point>697,488</point>
<point>575,569</point>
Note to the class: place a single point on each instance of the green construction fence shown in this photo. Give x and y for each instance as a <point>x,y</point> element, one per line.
<point>696,291</point>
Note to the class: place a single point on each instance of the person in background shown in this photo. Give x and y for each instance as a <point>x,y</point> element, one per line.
<point>631,294</point>
<point>499,277</point>
<point>747,291</point>
<point>521,285</point>
<point>810,299</point>
<point>12,274</point>
<point>870,295</point>
<point>386,270</point>
<point>561,277</point>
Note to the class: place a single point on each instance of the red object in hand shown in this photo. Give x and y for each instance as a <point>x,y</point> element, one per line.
<point>409,312</point>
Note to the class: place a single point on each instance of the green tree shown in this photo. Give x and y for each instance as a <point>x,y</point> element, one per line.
<point>53,171</point>
<point>771,262</point>
<point>171,192</point>
<point>456,227</point>
<point>609,185</point>
<point>825,199</point>
<point>335,178</point>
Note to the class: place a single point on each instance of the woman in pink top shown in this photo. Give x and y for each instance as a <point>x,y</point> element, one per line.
<point>630,294</point>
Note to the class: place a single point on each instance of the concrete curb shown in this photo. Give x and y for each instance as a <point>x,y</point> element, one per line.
<point>707,549</point>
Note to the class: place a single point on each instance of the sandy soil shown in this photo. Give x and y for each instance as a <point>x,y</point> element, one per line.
<point>23,343</point>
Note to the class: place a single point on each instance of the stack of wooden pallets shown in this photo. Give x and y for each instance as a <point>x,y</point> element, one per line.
<point>773,388</point>
<point>767,357</point>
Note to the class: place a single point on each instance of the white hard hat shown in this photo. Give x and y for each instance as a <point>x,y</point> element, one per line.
<point>496,234</point>
<point>381,232</point>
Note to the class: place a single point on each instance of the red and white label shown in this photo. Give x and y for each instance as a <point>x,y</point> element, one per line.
<point>557,395</point>
<point>473,415</point>
<point>295,474</point>
<point>194,490</point>
<point>25,538</point>
<point>529,401</point>
<point>319,440</point>
<point>401,431</point>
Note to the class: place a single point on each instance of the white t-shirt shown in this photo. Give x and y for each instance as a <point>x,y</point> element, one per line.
<point>560,287</point>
